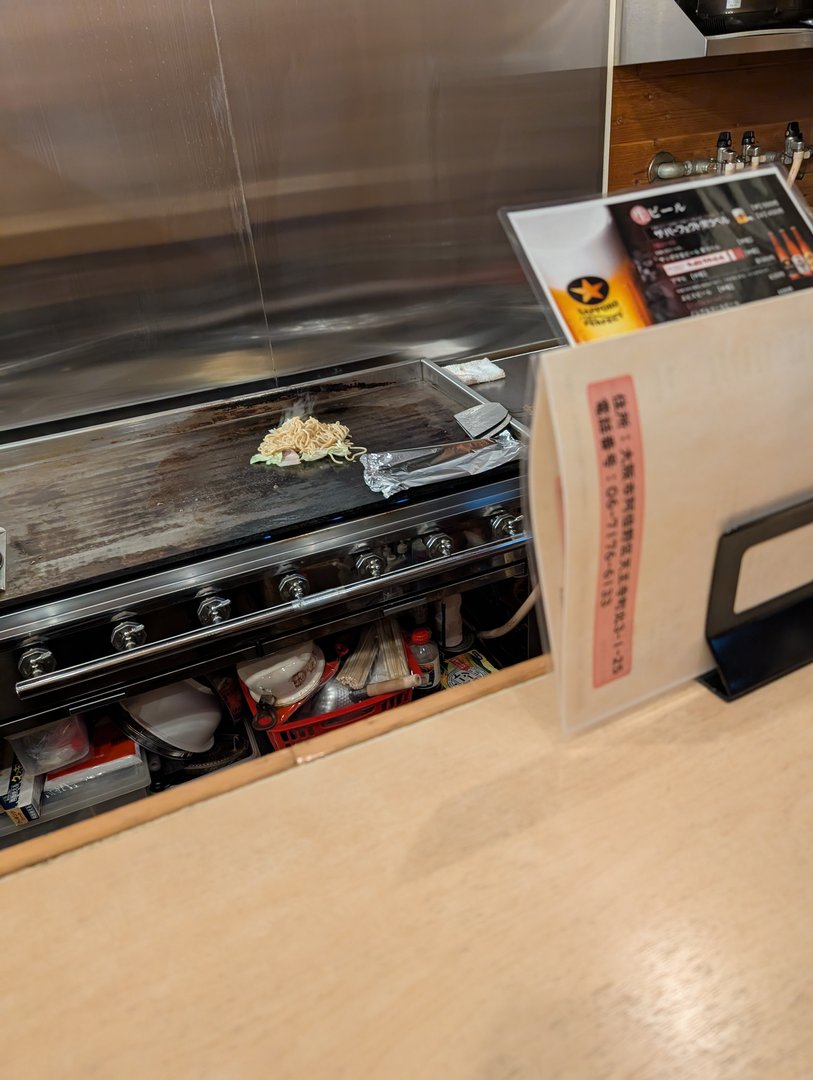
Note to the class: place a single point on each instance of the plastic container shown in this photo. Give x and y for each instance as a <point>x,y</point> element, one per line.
<point>90,792</point>
<point>53,746</point>
<point>427,656</point>
<point>11,835</point>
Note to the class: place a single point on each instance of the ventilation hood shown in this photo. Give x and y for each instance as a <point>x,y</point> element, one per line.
<point>654,30</point>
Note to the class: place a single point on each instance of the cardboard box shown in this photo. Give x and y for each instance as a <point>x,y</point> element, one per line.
<point>23,795</point>
<point>6,761</point>
<point>465,667</point>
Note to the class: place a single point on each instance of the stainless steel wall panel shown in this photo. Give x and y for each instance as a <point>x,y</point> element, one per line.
<point>339,188</point>
<point>126,265</point>
<point>377,141</point>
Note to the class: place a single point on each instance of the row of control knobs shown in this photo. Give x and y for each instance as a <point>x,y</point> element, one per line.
<point>369,565</point>
<point>129,633</point>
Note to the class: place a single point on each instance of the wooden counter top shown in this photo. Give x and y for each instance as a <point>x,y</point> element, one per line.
<point>469,896</point>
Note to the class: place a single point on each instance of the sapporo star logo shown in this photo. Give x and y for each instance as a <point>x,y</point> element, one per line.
<point>588,290</point>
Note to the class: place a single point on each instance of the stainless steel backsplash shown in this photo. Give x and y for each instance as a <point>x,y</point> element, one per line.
<point>195,194</point>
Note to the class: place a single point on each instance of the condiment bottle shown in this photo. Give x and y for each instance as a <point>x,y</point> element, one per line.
<point>427,654</point>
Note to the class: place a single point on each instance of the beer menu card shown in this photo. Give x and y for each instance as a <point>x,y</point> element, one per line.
<point>644,450</point>
<point>609,266</point>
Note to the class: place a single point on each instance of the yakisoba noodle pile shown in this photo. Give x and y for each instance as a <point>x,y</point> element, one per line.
<point>306,440</point>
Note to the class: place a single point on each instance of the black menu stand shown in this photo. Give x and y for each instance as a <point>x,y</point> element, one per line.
<point>756,646</point>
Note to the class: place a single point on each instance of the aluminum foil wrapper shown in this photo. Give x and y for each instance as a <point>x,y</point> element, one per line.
<point>398,470</point>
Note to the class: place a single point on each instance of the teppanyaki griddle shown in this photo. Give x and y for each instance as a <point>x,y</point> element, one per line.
<point>109,501</point>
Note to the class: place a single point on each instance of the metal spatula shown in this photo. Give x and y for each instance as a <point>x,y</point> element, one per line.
<point>484,421</point>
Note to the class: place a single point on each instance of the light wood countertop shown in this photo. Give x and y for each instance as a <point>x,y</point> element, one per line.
<point>468,896</point>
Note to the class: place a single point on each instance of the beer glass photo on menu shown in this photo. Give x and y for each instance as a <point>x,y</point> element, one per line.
<point>577,254</point>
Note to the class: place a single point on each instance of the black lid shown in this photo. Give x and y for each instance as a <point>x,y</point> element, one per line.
<point>748,138</point>
<point>724,139</point>
<point>794,131</point>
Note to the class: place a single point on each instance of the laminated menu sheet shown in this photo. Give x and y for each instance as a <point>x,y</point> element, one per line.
<point>605,267</point>
<point>644,450</point>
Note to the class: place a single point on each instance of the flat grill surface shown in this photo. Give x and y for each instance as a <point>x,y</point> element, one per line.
<point>101,503</point>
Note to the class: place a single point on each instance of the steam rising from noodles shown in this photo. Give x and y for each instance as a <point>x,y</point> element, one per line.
<point>298,440</point>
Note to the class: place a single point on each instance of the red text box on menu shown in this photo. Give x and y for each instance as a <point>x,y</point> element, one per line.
<point>620,461</point>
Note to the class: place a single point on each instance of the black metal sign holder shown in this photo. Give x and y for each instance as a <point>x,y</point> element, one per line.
<point>756,646</point>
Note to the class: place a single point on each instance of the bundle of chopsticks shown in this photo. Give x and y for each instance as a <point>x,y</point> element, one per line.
<point>379,660</point>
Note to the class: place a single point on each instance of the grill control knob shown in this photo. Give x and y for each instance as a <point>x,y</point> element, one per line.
<point>294,587</point>
<point>213,610</point>
<point>128,635</point>
<point>505,525</point>
<point>439,545</point>
<point>36,660</point>
<point>369,565</point>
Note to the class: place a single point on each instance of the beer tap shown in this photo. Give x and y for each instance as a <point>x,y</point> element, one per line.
<point>795,151</point>
<point>723,150</point>
<point>749,151</point>
<point>664,166</point>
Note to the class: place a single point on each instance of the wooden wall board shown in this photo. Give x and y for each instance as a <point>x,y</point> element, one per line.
<point>681,107</point>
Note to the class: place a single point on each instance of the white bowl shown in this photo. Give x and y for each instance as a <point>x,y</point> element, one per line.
<point>183,715</point>
<point>285,677</point>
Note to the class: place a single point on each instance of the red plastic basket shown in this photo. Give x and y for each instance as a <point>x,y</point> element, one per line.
<point>350,714</point>
<point>296,730</point>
